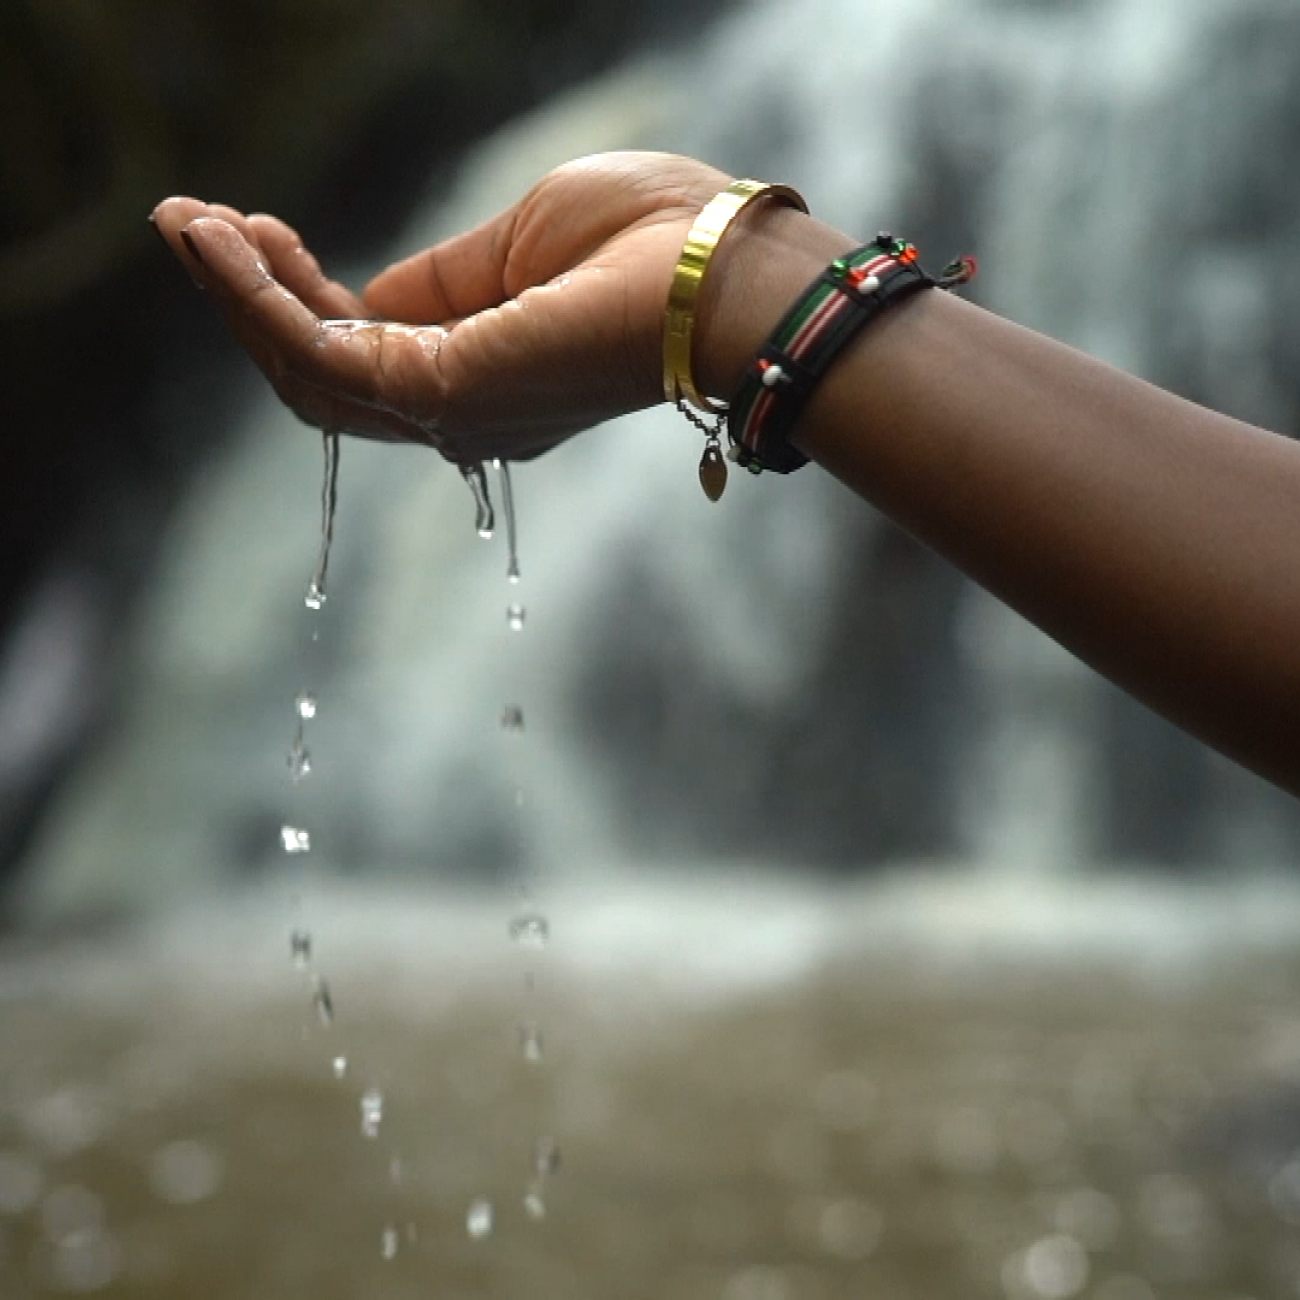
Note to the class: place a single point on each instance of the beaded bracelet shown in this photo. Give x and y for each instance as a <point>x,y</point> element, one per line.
<point>849,294</point>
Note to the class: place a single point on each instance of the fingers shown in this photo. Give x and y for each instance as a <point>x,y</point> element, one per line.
<point>232,217</point>
<point>280,246</point>
<point>459,277</point>
<point>517,374</point>
<point>172,215</point>
<point>295,267</point>
<point>261,311</point>
<point>374,381</point>
<point>383,380</point>
<point>169,218</point>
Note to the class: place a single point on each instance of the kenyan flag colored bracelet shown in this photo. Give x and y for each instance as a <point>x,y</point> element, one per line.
<point>842,301</point>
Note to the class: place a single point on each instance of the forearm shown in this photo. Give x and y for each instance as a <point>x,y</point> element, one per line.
<point>1158,541</point>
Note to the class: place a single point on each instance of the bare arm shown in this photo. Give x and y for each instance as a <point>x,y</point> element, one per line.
<point>1157,540</point>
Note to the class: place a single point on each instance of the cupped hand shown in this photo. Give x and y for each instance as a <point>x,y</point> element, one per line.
<point>500,342</point>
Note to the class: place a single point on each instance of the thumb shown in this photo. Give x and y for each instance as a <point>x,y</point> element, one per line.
<point>553,358</point>
<point>458,277</point>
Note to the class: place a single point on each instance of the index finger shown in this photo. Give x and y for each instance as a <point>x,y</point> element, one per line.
<point>298,270</point>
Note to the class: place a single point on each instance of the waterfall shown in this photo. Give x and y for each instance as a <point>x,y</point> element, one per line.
<point>838,697</point>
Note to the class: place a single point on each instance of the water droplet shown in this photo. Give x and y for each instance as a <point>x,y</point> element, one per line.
<point>530,1043</point>
<point>484,520</point>
<point>515,615</point>
<point>512,718</point>
<point>480,1218</point>
<point>300,948</point>
<point>512,536</point>
<point>295,839</point>
<point>388,1242</point>
<point>534,1205</point>
<point>322,1003</point>
<point>299,760</point>
<point>530,930</point>
<point>329,495</point>
<point>372,1112</point>
<point>305,705</point>
<point>340,1067</point>
<point>546,1157</point>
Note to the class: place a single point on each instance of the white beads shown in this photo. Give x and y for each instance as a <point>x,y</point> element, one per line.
<point>870,284</point>
<point>772,376</point>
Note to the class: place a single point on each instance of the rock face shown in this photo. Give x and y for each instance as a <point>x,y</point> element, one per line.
<point>782,676</point>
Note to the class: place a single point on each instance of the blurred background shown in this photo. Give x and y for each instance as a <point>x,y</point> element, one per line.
<point>866,944</point>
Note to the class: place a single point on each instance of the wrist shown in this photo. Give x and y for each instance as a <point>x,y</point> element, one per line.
<point>768,256</point>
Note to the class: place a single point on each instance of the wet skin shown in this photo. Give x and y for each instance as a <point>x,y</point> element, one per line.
<point>500,342</point>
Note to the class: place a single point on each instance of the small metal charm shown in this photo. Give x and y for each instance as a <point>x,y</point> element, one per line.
<point>713,470</point>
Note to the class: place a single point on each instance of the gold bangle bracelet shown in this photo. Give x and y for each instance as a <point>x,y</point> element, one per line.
<point>679,317</point>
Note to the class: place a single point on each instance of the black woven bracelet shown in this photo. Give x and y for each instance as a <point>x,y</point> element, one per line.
<point>850,293</point>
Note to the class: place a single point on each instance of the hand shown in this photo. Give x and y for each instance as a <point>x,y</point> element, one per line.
<point>500,342</point>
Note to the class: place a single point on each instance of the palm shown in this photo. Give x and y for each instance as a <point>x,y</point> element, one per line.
<point>560,300</point>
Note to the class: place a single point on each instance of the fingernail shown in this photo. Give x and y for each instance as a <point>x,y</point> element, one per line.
<point>188,240</point>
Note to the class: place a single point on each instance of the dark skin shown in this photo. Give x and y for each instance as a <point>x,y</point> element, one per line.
<point>1155,539</point>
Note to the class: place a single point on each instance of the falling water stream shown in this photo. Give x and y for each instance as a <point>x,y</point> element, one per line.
<point>529,928</point>
<point>296,840</point>
<point>329,498</point>
<point>484,518</point>
<point>512,533</point>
